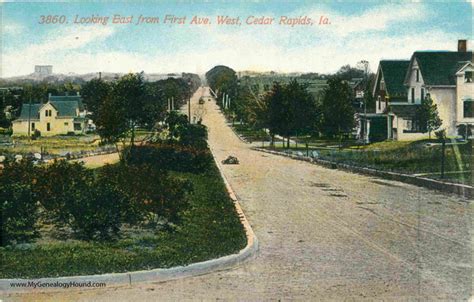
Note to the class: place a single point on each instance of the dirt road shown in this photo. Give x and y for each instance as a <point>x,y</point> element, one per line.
<point>325,235</point>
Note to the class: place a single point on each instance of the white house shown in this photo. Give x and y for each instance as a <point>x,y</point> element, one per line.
<point>445,75</point>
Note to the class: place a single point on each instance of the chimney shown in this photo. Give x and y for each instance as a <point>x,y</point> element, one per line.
<point>49,96</point>
<point>78,93</point>
<point>462,45</point>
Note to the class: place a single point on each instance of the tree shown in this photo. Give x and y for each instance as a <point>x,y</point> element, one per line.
<point>94,93</point>
<point>222,79</point>
<point>291,110</point>
<point>427,116</point>
<point>19,211</point>
<point>337,111</point>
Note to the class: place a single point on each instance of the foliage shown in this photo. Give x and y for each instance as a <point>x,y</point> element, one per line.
<point>337,111</point>
<point>210,229</point>
<point>222,79</point>
<point>427,116</point>
<point>19,210</point>
<point>161,195</point>
<point>58,186</point>
<point>173,157</point>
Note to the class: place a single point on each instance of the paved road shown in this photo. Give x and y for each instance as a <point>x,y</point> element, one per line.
<point>325,235</point>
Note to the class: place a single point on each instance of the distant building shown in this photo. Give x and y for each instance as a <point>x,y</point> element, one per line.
<point>60,115</point>
<point>43,70</point>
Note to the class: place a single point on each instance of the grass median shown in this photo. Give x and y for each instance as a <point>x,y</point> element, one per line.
<point>210,228</point>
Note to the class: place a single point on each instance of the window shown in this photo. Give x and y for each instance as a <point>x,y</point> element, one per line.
<point>409,125</point>
<point>380,102</point>
<point>77,126</point>
<point>48,127</point>
<point>66,124</point>
<point>417,75</point>
<point>468,77</point>
<point>33,126</point>
<point>422,94</point>
<point>413,95</point>
<point>469,108</point>
<point>47,113</point>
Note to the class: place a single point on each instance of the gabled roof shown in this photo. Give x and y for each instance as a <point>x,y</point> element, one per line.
<point>393,72</point>
<point>65,108</point>
<point>464,67</point>
<point>68,98</point>
<point>25,111</point>
<point>439,68</point>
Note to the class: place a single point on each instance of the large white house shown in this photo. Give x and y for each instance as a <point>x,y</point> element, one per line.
<point>401,86</point>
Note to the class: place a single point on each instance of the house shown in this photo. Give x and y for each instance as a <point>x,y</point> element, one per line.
<point>401,85</point>
<point>447,77</point>
<point>58,116</point>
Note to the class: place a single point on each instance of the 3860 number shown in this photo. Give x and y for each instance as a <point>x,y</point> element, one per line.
<point>52,19</point>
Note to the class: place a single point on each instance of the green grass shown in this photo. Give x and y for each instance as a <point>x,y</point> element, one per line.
<point>53,145</point>
<point>250,133</point>
<point>210,229</point>
<point>411,157</point>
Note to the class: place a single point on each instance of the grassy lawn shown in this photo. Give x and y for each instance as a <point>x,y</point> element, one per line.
<point>52,145</point>
<point>210,229</point>
<point>412,157</point>
<point>251,134</point>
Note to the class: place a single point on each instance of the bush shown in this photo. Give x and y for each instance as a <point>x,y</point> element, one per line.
<point>161,195</point>
<point>172,157</point>
<point>98,213</point>
<point>19,210</point>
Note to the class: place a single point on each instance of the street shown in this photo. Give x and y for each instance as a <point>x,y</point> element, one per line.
<point>324,235</point>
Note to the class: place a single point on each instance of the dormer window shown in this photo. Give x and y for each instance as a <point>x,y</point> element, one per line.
<point>417,75</point>
<point>468,77</point>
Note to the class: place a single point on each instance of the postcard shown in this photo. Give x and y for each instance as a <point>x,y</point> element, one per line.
<point>236,150</point>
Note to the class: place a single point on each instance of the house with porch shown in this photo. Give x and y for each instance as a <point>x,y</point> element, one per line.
<point>401,86</point>
<point>60,115</point>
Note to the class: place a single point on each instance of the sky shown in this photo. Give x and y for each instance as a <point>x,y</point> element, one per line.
<point>358,30</point>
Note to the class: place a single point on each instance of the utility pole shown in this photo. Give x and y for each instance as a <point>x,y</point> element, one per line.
<point>29,119</point>
<point>365,65</point>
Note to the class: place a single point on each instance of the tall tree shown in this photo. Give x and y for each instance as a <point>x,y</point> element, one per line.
<point>427,116</point>
<point>337,111</point>
<point>93,94</point>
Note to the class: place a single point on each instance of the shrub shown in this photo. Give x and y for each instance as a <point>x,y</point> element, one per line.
<point>172,157</point>
<point>98,213</point>
<point>161,195</point>
<point>19,211</point>
<point>58,187</point>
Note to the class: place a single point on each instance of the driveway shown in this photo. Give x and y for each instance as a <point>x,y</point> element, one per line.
<point>324,235</point>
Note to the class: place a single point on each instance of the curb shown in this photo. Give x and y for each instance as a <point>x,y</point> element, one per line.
<point>460,189</point>
<point>155,275</point>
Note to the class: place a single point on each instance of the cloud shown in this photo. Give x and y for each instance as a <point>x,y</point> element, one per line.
<point>372,35</point>
<point>10,28</point>
<point>16,62</point>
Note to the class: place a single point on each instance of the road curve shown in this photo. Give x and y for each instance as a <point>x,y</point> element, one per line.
<point>324,235</point>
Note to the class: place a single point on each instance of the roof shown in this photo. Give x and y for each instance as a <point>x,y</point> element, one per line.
<point>394,72</point>
<point>404,110</point>
<point>65,108</point>
<point>25,111</point>
<point>440,67</point>
<point>68,98</point>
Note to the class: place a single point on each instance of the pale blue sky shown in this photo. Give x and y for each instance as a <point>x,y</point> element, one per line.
<point>358,30</point>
